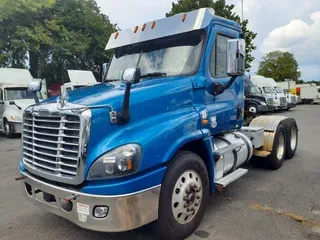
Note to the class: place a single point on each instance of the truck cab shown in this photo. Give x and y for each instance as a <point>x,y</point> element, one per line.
<point>114,157</point>
<point>254,102</point>
<point>14,98</point>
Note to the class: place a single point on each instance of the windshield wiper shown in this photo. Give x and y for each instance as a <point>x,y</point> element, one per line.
<point>154,74</point>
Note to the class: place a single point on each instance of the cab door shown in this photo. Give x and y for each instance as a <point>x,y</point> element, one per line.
<point>224,110</point>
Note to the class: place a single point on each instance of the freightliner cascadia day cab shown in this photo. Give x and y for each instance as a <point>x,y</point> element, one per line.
<point>279,93</point>
<point>254,102</point>
<point>14,98</point>
<point>115,157</point>
<point>266,90</point>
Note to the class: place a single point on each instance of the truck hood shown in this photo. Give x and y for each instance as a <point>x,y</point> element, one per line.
<point>23,103</point>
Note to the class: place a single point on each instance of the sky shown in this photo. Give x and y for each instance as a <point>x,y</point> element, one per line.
<point>287,25</point>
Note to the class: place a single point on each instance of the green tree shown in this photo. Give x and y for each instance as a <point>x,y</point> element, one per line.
<point>53,36</point>
<point>279,66</point>
<point>223,10</point>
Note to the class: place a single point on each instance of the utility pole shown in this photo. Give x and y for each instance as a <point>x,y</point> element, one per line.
<point>241,10</point>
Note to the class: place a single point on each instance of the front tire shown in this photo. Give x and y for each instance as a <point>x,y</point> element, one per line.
<point>7,129</point>
<point>183,197</point>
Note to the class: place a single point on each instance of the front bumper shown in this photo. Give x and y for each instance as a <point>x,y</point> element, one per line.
<point>291,105</point>
<point>263,108</point>
<point>16,127</point>
<point>126,212</point>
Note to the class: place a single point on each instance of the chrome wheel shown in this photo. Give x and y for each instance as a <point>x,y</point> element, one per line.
<point>280,149</point>
<point>293,140</point>
<point>186,197</point>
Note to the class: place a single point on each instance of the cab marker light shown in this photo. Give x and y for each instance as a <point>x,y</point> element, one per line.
<point>153,25</point>
<point>144,27</point>
<point>116,35</point>
<point>135,29</point>
<point>184,17</point>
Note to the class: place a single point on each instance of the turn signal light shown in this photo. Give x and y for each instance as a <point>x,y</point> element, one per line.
<point>184,17</point>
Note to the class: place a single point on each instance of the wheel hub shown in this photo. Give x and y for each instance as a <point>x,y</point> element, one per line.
<point>186,197</point>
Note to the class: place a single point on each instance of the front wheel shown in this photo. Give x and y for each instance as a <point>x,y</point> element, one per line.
<point>184,193</point>
<point>7,129</point>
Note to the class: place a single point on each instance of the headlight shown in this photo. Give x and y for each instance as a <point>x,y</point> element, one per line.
<point>263,103</point>
<point>120,161</point>
<point>15,118</point>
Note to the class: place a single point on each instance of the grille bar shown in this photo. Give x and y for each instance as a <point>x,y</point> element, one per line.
<point>51,144</point>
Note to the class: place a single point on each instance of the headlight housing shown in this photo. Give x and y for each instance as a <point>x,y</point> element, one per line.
<point>118,162</point>
<point>263,103</point>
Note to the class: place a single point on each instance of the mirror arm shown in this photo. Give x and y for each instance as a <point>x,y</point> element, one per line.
<point>218,88</point>
<point>124,115</point>
<point>18,107</point>
<point>35,97</point>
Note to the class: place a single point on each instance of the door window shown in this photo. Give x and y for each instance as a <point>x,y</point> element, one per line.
<point>1,95</point>
<point>218,61</point>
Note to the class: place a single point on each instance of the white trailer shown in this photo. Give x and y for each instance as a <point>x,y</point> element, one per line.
<point>79,79</point>
<point>14,98</point>
<point>308,93</point>
<point>279,93</point>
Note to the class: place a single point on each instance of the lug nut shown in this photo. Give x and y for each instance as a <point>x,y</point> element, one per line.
<point>185,198</point>
<point>188,209</point>
<point>185,205</point>
<point>198,197</point>
<point>192,209</point>
<point>196,204</point>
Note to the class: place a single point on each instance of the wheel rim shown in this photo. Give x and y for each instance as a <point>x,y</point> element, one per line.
<point>280,150</point>
<point>253,109</point>
<point>186,197</point>
<point>293,141</point>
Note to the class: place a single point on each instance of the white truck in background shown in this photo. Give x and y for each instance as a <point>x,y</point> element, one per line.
<point>308,93</point>
<point>289,88</point>
<point>266,90</point>
<point>279,93</point>
<point>44,90</point>
<point>14,98</point>
<point>79,79</point>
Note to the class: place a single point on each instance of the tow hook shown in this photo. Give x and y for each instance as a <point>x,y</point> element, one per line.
<point>20,178</point>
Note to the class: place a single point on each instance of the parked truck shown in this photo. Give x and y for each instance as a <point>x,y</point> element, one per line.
<point>279,93</point>
<point>308,93</point>
<point>266,90</point>
<point>115,157</point>
<point>79,79</point>
<point>14,98</point>
<point>254,102</point>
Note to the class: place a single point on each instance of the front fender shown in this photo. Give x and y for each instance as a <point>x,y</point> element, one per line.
<point>159,136</point>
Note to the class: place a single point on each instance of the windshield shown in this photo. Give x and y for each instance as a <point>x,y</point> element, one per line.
<point>278,89</point>
<point>19,93</point>
<point>267,89</point>
<point>254,90</point>
<point>170,56</point>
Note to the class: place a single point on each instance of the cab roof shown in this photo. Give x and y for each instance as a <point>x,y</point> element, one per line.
<point>179,23</point>
<point>15,76</point>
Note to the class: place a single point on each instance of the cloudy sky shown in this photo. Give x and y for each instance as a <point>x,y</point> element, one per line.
<point>289,25</point>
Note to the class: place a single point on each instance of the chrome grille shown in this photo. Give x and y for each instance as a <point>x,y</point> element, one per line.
<point>270,101</point>
<point>51,144</point>
<point>283,101</point>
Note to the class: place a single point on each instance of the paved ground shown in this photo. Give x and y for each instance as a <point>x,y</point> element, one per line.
<point>247,209</point>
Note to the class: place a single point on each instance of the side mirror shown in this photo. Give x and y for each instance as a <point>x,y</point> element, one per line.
<point>12,103</point>
<point>104,70</point>
<point>35,86</point>
<point>236,57</point>
<point>131,75</point>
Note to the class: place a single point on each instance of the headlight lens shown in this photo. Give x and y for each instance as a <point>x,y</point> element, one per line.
<point>263,103</point>
<point>118,162</point>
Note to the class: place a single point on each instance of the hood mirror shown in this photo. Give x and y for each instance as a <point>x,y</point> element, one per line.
<point>131,75</point>
<point>34,87</point>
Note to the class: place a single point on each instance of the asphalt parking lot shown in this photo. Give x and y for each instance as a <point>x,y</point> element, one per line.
<point>264,204</point>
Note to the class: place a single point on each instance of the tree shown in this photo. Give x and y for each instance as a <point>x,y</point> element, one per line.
<point>53,36</point>
<point>279,66</point>
<point>223,10</point>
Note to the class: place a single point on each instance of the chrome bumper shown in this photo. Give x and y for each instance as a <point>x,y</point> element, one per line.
<point>126,212</point>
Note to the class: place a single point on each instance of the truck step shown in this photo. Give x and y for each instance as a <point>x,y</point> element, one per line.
<point>223,182</point>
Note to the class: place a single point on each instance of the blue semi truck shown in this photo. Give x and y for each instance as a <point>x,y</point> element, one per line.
<point>160,134</point>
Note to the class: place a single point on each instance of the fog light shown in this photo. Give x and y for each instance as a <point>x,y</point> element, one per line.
<point>100,211</point>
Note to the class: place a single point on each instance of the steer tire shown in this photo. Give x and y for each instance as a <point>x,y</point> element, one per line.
<point>275,160</point>
<point>290,126</point>
<point>168,226</point>
<point>7,129</point>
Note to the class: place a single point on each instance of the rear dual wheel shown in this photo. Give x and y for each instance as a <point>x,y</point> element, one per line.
<point>184,193</point>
